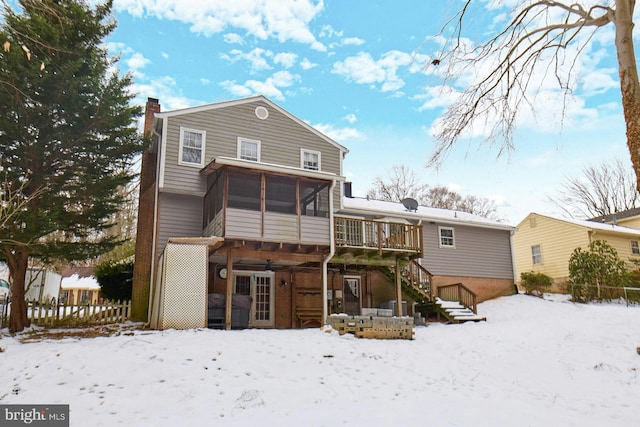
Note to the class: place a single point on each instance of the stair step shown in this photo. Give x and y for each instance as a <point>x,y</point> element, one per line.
<point>448,304</point>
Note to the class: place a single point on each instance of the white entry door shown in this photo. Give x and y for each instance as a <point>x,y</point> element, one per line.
<point>259,285</point>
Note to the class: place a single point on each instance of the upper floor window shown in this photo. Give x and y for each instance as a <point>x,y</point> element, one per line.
<point>536,254</point>
<point>635,249</point>
<point>446,237</point>
<point>192,143</point>
<point>310,159</point>
<point>249,149</point>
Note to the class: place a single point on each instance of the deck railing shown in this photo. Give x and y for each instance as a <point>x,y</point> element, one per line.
<point>379,235</point>
<point>458,292</point>
<point>418,278</point>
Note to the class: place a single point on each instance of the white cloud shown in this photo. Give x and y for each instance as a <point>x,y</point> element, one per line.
<point>351,118</point>
<point>271,87</point>
<point>363,69</point>
<point>285,59</point>
<point>305,64</point>
<point>256,58</point>
<point>137,61</point>
<point>166,90</point>
<point>233,38</point>
<point>352,41</point>
<point>284,20</point>
<point>329,31</point>
<point>205,81</point>
<point>165,55</point>
<point>339,134</point>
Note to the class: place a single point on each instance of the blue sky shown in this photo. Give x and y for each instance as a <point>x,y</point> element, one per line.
<point>355,70</point>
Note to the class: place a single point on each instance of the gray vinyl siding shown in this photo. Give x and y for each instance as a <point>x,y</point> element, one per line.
<point>280,142</point>
<point>315,230</point>
<point>280,227</point>
<point>243,224</point>
<point>246,224</point>
<point>478,252</point>
<point>180,216</point>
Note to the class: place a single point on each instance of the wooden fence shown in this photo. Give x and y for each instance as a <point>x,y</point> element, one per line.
<point>56,315</point>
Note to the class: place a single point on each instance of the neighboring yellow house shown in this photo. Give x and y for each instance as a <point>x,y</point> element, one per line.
<point>544,244</point>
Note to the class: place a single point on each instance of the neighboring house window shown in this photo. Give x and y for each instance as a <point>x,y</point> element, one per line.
<point>635,249</point>
<point>249,149</point>
<point>192,144</point>
<point>446,237</point>
<point>310,159</point>
<point>536,254</point>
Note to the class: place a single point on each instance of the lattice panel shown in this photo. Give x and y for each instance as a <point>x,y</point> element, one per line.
<point>185,287</point>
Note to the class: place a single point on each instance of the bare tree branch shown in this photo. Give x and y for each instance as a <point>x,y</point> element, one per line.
<point>601,190</point>
<point>536,37</point>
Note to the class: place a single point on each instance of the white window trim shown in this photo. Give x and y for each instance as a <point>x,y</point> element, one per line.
<point>254,141</point>
<point>540,254</point>
<point>303,151</point>
<point>453,236</point>
<point>204,144</point>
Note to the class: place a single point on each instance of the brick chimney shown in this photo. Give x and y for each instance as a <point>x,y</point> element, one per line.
<point>145,228</point>
<point>153,106</point>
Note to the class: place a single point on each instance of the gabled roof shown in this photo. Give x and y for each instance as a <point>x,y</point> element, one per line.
<point>629,213</point>
<point>361,206</point>
<point>241,101</point>
<point>590,225</point>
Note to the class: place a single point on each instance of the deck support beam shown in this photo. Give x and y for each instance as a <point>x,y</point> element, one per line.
<point>398,289</point>
<point>229,295</point>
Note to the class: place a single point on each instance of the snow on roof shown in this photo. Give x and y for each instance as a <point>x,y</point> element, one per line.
<point>594,225</point>
<point>76,282</point>
<point>361,206</point>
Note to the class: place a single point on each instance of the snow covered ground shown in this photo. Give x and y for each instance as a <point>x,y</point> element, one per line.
<point>533,363</point>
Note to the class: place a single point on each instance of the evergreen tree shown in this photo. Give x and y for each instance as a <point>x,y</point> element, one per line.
<point>67,135</point>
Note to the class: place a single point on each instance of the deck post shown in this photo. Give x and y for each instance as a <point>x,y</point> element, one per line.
<point>229,295</point>
<point>398,290</point>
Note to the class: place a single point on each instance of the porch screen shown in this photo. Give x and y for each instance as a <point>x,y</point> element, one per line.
<point>281,194</point>
<point>314,198</point>
<point>244,191</point>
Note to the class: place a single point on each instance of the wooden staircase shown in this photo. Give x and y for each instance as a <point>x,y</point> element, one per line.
<point>457,303</point>
<point>416,281</point>
<point>455,312</point>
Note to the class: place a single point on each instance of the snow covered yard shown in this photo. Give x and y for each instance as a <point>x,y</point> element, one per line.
<point>533,363</point>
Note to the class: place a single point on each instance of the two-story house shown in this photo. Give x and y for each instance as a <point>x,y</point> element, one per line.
<point>242,199</point>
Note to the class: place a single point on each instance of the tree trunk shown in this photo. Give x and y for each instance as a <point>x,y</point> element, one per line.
<point>18,261</point>
<point>629,84</point>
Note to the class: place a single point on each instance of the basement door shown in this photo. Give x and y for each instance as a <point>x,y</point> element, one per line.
<point>351,295</point>
<point>259,285</point>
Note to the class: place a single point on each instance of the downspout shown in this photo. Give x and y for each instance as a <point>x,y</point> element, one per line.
<point>332,251</point>
<point>161,146</point>
<point>514,271</point>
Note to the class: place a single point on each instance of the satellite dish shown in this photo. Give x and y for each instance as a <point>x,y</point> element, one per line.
<point>410,204</point>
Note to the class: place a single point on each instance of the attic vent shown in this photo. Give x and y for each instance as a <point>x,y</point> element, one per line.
<point>532,222</point>
<point>262,113</point>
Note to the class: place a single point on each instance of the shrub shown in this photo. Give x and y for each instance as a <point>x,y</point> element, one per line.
<point>115,279</point>
<point>535,283</point>
<point>596,273</point>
